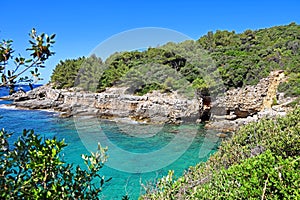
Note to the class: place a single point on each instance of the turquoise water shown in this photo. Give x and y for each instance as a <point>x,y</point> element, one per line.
<point>138,154</point>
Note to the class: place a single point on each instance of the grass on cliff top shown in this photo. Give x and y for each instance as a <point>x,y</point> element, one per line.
<point>260,161</point>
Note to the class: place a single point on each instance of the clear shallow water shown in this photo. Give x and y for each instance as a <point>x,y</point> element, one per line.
<point>83,134</point>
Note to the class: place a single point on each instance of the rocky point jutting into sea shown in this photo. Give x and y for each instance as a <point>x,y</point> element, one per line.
<point>236,107</point>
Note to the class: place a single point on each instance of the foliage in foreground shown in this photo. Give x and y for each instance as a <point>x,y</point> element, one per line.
<point>33,169</point>
<point>40,51</point>
<point>260,161</point>
<point>266,176</point>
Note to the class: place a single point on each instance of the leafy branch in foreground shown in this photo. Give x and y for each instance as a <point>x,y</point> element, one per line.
<point>33,169</point>
<point>39,51</point>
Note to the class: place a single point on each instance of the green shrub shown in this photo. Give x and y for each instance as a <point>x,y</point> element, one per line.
<point>266,176</point>
<point>33,169</point>
<point>255,149</point>
<point>292,86</point>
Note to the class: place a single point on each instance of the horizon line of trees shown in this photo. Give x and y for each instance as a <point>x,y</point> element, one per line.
<point>233,59</point>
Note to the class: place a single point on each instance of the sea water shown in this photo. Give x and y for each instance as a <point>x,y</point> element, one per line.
<point>129,170</point>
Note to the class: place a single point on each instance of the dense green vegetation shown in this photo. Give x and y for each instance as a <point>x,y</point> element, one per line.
<point>34,169</point>
<point>260,161</point>
<point>266,176</point>
<point>236,59</point>
<point>245,58</point>
<point>65,73</point>
<point>81,72</point>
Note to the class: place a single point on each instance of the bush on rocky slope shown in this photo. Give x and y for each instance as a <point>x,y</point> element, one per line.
<point>260,160</point>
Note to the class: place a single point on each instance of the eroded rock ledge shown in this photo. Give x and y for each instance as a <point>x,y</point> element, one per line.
<point>235,108</point>
<point>251,103</point>
<point>154,107</point>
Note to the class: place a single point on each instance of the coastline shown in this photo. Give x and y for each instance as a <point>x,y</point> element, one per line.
<point>13,107</point>
<point>226,114</point>
<point>155,107</point>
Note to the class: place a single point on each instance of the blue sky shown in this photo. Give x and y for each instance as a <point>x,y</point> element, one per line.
<point>81,25</point>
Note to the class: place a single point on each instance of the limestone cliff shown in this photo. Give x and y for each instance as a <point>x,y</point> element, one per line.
<point>153,107</point>
<point>270,99</point>
<point>243,105</point>
<point>234,108</point>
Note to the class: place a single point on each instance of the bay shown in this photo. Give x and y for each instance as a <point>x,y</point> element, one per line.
<point>150,151</point>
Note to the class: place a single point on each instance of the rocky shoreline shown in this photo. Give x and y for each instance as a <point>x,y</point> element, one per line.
<point>228,112</point>
<point>251,103</point>
<point>154,107</point>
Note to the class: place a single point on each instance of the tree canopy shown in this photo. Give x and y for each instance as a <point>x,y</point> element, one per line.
<point>221,58</point>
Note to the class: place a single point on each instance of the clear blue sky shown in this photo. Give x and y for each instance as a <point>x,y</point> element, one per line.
<point>81,25</point>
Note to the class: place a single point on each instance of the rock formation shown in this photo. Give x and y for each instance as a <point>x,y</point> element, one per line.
<point>243,105</point>
<point>236,107</point>
<point>153,107</point>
